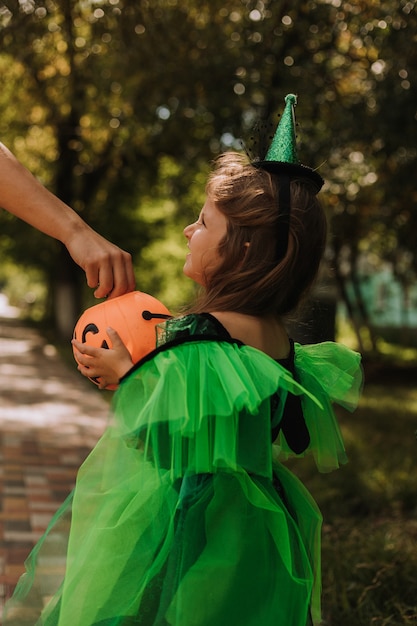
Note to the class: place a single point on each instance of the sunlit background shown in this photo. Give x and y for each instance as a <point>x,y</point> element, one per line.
<point>119,107</point>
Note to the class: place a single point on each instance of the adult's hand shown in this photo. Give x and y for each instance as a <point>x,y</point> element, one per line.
<point>108,268</point>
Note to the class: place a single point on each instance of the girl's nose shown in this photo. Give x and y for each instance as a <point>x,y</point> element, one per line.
<point>188,230</point>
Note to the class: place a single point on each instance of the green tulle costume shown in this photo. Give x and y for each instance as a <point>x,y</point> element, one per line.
<point>183,514</point>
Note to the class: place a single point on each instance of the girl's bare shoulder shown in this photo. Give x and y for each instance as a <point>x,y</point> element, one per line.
<point>264,333</point>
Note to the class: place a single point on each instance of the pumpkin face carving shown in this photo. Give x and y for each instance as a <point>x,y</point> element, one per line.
<point>133,316</point>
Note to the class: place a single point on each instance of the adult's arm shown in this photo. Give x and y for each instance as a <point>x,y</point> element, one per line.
<point>107,267</point>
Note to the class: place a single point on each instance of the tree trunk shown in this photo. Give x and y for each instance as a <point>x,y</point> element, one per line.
<point>66,295</point>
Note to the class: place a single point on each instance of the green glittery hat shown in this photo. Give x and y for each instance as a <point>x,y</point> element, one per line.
<point>281,157</point>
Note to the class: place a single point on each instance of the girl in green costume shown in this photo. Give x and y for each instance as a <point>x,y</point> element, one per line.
<point>183,514</point>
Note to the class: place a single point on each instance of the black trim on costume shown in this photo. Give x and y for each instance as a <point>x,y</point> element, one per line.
<point>177,342</point>
<point>292,422</point>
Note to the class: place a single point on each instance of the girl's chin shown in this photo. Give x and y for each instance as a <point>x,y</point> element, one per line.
<point>185,267</point>
<point>187,271</point>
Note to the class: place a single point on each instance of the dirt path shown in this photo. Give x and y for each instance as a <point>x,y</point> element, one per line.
<point>50,418</point>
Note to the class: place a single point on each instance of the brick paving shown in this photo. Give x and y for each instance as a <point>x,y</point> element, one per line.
<point>50,418</point>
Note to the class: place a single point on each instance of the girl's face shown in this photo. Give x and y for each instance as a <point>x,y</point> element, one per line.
<point>204,237</point>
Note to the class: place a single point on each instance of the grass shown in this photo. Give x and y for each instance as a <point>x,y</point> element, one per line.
<point>370,505</point>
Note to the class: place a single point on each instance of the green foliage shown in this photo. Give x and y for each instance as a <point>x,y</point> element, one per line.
<point>96,96</point>
<point>160,264</point>
<point>25,290</point>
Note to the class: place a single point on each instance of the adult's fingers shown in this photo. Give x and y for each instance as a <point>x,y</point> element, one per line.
<point>116,276</point>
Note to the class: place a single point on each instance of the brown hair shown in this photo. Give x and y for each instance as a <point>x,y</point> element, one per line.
<point>251,278</point>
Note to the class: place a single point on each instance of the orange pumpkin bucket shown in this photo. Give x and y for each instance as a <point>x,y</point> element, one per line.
<point>133,316</point>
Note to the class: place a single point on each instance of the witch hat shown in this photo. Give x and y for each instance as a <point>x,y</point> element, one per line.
<point>281,157</point>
